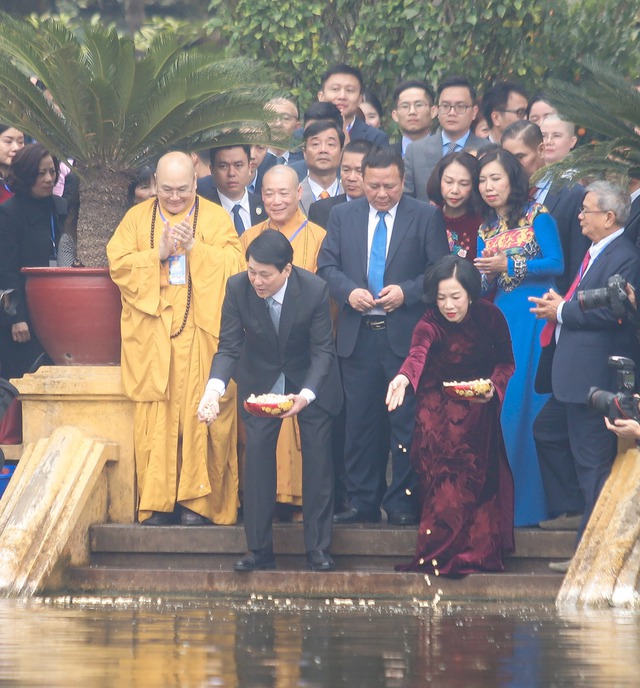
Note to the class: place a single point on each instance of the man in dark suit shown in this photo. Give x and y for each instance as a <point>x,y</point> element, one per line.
<point>374,258</point>
<point>350,177</point>
<point>276,336</point>
<point>524,140</point>
<point>413,112</point>
<point>576,451</point>
<point>456,110</point>
<point>230,174</point>
<point>342,85</point>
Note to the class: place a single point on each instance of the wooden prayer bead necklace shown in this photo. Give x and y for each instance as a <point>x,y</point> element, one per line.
<point>189,285</point>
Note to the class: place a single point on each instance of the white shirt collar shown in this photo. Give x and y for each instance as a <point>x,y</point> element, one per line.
<point>635,194</point>
<point>228,204</point>
<point>279,295</point>
<point>316,189</point>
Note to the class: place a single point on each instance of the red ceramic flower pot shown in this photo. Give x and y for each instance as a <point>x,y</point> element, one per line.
<point>75,313</point>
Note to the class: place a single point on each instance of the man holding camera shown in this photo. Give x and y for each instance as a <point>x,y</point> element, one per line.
<point>575,449</point>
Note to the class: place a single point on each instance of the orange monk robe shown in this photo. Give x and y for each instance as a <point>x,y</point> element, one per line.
<point>306,246</point>
<point>178,459</point>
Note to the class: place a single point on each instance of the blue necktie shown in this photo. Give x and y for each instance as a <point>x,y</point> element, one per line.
<point>274,311</point>
<point>280,160</point>
<point>237,220</point>
<point>378,256</point>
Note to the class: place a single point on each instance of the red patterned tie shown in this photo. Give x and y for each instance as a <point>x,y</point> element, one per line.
<point>324,194</point>
<point>549,328</point>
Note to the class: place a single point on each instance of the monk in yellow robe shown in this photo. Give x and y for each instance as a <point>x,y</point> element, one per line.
<point>171,257</point>
<point>281,193</point>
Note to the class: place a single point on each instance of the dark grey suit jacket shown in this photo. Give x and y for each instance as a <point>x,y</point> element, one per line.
<point>588,338</point>
<point>361,131</point>
<point>418,240</point>
<point>420,159</point>
<point>255,202</point>
<point>632,227</point>
<point>254,354</point>
<point>320,210</point>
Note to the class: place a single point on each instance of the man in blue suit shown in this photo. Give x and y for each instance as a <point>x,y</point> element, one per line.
<point>373,258</point>
<point>576,451</point>
<point>342,85</point>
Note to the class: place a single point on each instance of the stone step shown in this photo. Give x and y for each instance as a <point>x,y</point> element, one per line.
<point>358,586</point>
<point>143,560</point>
<point>370,540</point>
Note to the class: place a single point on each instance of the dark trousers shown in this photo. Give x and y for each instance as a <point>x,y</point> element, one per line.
<point>372,432</point>
<point>581,453</point>
<point>260,478</point>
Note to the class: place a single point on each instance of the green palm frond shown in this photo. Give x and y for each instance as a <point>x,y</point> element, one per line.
<point>606,104</point>
<point>114,110</point>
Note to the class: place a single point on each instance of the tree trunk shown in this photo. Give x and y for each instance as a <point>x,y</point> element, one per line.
<point>103,203</point>
<point>134,14</point>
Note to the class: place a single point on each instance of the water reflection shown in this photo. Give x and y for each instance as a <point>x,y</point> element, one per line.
<point>185,643</point>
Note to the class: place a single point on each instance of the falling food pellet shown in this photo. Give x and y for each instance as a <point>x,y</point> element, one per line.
<point>428,531</point>
<point>421,562</point>
<point>408,492</point>
<point>436,572</point>
<point>399,446</point>
<point>434,562</point>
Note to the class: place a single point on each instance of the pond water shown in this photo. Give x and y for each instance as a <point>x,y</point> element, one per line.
<point>144,642</point>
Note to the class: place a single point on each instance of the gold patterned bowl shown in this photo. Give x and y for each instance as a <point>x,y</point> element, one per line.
<point>268,405</point>
<point>467,389</point>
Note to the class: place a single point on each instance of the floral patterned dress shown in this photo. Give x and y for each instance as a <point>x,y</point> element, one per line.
<point>457,452</point>
<point>534,257</point>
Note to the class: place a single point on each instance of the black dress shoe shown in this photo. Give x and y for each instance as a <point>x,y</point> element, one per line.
<point>191,518</point>
<point>258,560</point>
<point>160,518</point>
<point>353,516</point>
<point>319,560</point>
<point>402,519</point>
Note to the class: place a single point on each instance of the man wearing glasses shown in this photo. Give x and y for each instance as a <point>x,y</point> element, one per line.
<point>503,104</point>
<point>456,109</point>
<point>575,449</point>
<point>171,257</point>
<point>412,113</point>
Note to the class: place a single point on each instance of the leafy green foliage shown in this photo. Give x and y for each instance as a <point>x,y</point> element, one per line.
<point>606,104</point>
<point>112,109</point>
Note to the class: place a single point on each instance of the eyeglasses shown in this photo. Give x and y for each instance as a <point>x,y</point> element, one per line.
<point>169,192</point>
<point>458,108</point>
<point>520,113</point>
<point>284,117</point>
<point>586,211</point>
<point>419,106</point>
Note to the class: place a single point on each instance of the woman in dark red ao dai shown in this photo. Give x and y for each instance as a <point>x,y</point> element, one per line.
<point>465,484</point>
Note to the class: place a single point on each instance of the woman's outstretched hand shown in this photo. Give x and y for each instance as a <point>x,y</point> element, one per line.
<point>395,393</point>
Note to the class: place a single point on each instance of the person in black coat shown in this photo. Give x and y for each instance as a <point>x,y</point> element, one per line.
<point>31,224</point>
<point>296,356</point>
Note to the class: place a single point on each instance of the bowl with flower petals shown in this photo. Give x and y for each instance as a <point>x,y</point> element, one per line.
<point>467,389</point>
<point>268,405</point>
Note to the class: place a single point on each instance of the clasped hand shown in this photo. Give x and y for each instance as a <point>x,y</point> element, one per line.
<point>181,235</point>
<point>389,299</point>
<point>491,263</point>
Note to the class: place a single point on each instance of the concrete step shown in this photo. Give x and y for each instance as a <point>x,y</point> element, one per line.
<point>354,585</point>
<point>370,540</point>
<point>135,559</point>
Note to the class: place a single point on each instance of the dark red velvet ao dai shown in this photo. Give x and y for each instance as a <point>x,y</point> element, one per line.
<point>466,488</point>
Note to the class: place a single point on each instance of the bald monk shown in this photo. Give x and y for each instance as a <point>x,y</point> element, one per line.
<point>171,257</point>
<point>281,194</point>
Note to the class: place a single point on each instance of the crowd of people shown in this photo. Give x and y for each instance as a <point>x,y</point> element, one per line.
<point>415,300</point>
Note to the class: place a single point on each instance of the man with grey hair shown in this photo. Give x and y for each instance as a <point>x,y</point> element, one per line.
<point>575,449</point>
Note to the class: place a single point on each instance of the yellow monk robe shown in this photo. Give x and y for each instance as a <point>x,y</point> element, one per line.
<point>178,459</point>
<point>306,241</point>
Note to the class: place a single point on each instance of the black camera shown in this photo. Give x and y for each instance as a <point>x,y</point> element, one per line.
<point>613,296</point>
<point>623,404</point>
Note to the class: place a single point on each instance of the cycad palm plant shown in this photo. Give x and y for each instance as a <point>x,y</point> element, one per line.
<point>605,103</point>
<point>111,110</point>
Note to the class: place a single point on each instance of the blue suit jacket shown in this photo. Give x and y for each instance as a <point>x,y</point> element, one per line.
<point>418,240</point>
<point>588,338</point>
